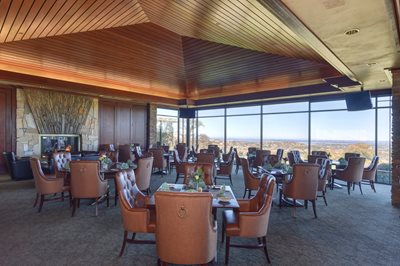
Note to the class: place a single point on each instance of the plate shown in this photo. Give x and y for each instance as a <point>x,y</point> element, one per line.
<point>224,199</point>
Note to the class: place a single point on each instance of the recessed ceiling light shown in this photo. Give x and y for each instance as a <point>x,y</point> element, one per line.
<point>371,64</point>
<point>352,31</point>
<point>382,80</point>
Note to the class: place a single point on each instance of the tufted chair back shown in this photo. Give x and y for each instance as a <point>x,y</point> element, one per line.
<point>325,172</point>
<point>143,173</point>
<point>207,168</point>
<point>135,215</point>
<point>182,151</point>
<point>314,158</point>
<point>261,156</point>
<point>124,152</point>
<point>323,153</point>
<point>86,181</point>
<point>294,157</point>
<point>60,160</point>
<point>186,220</point>
<point>214,149</point>
<point>370,172</point>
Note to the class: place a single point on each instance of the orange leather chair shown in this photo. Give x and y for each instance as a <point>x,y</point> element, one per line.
<point>273,159</point>
<point>143,173</point>
<point>136,217</point>
<point>179,166</point>
<point>159,161</point>
<point>352,174</point>
<point>251,182</point>
<point>87,183</point>
<point>225,156</point>
<point>207,157</point>
<point>186,232</point>
<point>251,220</point>
<point>191,168</point>
<point>303,185</point>
<point>46,184</point>
<point>260,158</point>
<point>370,172</point>
<point>225,169</point>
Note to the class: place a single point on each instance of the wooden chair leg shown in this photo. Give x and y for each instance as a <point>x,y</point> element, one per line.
<point>79,203</point>
<point>249,195</point>
<point>306,204</point>
<point>41,203</point>
<point>36,200</point>
<point>354,185</point>
<point>280,198</point>
<point>108,198</point>
<point>359,184</point>
<point>223,230</point>
<point>177,177</point>
<point>314,208</point>
<point>372,185</point>
<point>97,207</point>
<point>244,195</point>
<point>227,246</point>
<point>323,195</point>
<point>62,196</point>
<point>332,182</point>
<point>348,187</point>
<point>74,204</point>
<point>265,249</point>
<point>123,244</point>
<point>230,179</point>
<point>70,198</point>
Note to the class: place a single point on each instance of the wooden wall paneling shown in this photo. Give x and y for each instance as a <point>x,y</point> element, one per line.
<point>139,125</point>
<point>7,123</point>
<point>107,122</point>
<point>123,124</point>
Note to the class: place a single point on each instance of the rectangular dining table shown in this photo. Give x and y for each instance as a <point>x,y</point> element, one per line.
<point>214,190</point>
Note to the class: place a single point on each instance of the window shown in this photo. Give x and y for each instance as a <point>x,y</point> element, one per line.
<point>167,126</point>
<point>243,132</point>
<point>285,107</point>
<point>384,145</point>
<point>211,131</point>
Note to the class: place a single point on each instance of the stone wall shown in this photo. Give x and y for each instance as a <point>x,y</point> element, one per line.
<point>152,124</point>
<point>28,135</point>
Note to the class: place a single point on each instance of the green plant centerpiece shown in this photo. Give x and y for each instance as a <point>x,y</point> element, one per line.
<point>105,162</point>
<point>196,181</point>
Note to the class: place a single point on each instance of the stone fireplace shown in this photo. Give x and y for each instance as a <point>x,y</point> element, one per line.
<point>28,136</point>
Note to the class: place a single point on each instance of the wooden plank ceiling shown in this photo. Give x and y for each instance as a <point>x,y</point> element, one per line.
<point>174,49</point>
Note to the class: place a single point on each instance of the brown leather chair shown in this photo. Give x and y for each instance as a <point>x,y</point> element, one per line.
<point>107,147</point>
<point>251,182</point>
<point>225,169</point>
<point>207,169</point>
<point>323,153</point>
<point>237,161</point>
<point>348,155</point>
<point>182,151</point>
<point>370,172</point>
<point>143,173</point>
<point>206,158</point>
<point>46,185</point>
<point>61,159</point>
<point>214,149</point>
<point>314,158</point>
<point>225,156</point>
<point>179,166</point>
<point>186,232</point>
<point>259,161</point>
<point>252,219</point>
<point>124,153</point>
<point>86,183</point>
<point>273,159</point>
<point>136,217</point>
<point>159,161</point>
<point>352,173</point>
<point>303,185</point>
<point>325,174</point>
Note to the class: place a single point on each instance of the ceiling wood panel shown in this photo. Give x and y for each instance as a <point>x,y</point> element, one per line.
<point>22,20</point>
<point>148,59</point>
<point>213,68</point>
<point>246,24</point>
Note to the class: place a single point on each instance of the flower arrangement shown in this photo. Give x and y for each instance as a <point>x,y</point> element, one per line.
<point>197,179</point>
<point>105,162</point>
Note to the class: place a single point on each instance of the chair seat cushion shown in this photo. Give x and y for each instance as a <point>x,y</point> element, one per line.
<point>231,221</point>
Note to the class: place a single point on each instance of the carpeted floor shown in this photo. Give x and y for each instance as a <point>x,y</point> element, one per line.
<point>351,230</point>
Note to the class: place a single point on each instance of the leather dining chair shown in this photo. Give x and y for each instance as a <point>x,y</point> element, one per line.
<point>61,159</point>
<point>352,174</point>
<point>159,161</point>
<point>369,173</point>
<point>206,168</point>
<point>237,161</point>
<point>294,157</point>
<point>252,219</point>
<point>143,173</point>
<point>225,156</point>
<point>273,159</point>
<point>182,151</point>
<point>348,155</point>
<point>314,158</point>
<point>206,158</point>
<point>303,185</point>
<point>251,182</point>
<point>259,161</point>
<point>136,217</point>
<point>186,232</point>
<point>179,166</point>
<point>225,169</point>
<point>323,153</point>
<point>47,185</point>
<point>86,183</point>
<point>325,174</point>
<point>124,153</point>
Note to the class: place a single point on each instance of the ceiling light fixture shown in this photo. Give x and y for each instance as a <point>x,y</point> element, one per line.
<point>352,31</point>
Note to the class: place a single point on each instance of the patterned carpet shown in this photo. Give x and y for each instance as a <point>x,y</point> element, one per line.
<point>351,230</point>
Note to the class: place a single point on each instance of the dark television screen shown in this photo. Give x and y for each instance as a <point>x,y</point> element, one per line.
<point>187,113</point>
<point>358,101</point>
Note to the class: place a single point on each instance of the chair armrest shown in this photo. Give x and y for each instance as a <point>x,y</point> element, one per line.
<point>136,219</point>
<point>246,205</point>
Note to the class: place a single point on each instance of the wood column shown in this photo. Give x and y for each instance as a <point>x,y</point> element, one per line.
<point>396,138</point>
